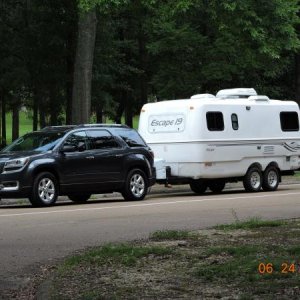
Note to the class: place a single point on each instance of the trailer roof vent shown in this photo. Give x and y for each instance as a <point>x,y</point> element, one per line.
<point>203,96</point>
<point>236,93</point>
<point>259,98</point>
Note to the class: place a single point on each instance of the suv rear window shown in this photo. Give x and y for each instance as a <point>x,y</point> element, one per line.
<point>131,137</point>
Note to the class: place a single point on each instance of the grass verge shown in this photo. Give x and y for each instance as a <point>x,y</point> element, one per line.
<point>254,259</point>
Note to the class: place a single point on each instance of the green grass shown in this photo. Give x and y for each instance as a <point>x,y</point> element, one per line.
<point>297,174</point>
<point>233,250</point>
<point>125,254</point>
<point>251,223</point>
<point>170,235</point>
<point>211,265</point>
<point>26,124</point>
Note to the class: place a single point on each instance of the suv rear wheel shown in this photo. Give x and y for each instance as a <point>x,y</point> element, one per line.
<point>136,185</point>
<point>45,190</point>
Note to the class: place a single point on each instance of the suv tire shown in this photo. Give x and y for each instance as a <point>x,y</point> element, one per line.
<point>79,198</point>
<point>44,190</point>
<point>136,185</point>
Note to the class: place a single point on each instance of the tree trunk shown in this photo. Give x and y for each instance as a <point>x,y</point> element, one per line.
<point>120,109</point>
<point>143,57</point>
<point>15,121</point>
<point>128,110</point>
<point>54,110</point>
<point>42,118</point>
<point>3,120</point>
<point>69,86</point>
<point>70,58</point>
<point>81,97</point>
<point>35,111</point>
<point>99,113</point>
<point>297,96</point>
<point>1,99</point>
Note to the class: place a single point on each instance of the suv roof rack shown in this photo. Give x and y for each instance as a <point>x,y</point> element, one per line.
<point>61,127</point>
<point>70,127</point>
<point>102,125</point>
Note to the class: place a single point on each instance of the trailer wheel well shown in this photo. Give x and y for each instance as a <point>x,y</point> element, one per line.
<point>255,165</point>
<point>273,164</point>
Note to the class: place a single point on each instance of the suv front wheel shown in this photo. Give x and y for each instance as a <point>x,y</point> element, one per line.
<point>45,190</point>
<point>136,185</point>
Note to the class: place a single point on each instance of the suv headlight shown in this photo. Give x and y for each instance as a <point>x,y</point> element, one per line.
<point>15,164</point>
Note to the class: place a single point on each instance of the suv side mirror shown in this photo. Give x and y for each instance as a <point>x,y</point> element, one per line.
<point>68,148</point>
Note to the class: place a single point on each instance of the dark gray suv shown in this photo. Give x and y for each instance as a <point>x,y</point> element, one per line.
<point>76,161</point>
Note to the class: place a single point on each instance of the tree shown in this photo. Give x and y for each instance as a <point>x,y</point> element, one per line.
<point>81,101</point>
<point>210,45</point>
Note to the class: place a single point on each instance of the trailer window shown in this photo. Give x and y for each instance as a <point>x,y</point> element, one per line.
<point>215,121</point>
<point>235,122</point>
<point>289,121</point>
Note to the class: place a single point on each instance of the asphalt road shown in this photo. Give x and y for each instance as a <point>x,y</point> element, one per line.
<point>32,237</point>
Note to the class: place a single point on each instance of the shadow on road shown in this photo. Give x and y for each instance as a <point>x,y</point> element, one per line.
<point>108,198</point>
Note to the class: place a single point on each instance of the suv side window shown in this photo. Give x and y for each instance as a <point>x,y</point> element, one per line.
<point>78,139</point>
<point>102,139</point>
<point>131,137</point>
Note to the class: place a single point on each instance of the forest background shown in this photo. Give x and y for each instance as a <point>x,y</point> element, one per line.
<point>73,62</point>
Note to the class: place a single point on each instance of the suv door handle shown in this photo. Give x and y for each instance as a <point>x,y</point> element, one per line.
<point>90,157</point>
<point>118,155</point>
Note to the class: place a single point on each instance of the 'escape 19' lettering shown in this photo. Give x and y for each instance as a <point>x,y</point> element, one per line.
<point>166,123</point>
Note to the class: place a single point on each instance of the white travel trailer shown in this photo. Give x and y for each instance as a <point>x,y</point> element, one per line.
<point>209,140</point>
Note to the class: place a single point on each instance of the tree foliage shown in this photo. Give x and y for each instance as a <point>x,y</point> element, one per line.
<point>144,50</point>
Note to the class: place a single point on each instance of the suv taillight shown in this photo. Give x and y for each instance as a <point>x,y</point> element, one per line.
<point>151,153</point>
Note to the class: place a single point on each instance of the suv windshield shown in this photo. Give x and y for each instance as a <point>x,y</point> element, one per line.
<point>35,141</point>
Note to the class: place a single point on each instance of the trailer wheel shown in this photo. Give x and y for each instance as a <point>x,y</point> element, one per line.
<point>217,186</point>
<point>198,186</point>
<point>253,180</point>
<point>270,179</point>
<point>79,198</point>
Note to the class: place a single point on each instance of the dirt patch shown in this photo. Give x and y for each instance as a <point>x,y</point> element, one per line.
<point>258,263</point>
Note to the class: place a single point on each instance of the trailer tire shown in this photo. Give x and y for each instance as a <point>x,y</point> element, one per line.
<point>253,180</point>
<point>198,186</point>
<point>217,186</point>
<point>271,179</point>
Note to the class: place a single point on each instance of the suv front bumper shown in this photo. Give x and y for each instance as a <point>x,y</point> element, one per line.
<point>14,185</point>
